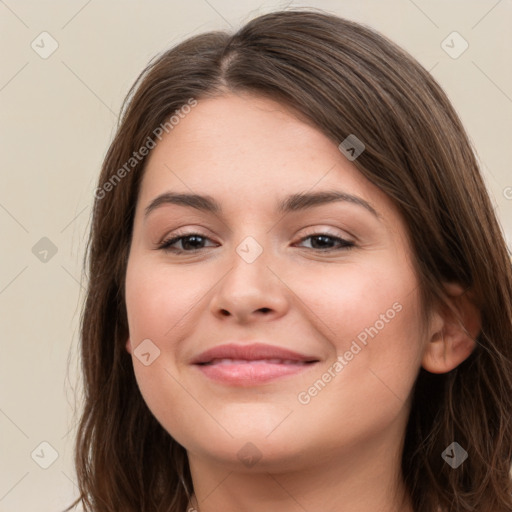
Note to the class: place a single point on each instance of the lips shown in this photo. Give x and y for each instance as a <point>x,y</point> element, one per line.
<point>251,365</point>
<point>255,361</point>
<point>232,353</point>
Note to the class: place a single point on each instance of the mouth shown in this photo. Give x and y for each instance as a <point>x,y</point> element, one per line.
<point>257,361</point>
<point>240,372</point>
<point>252,352</point>
<point>249,365</point>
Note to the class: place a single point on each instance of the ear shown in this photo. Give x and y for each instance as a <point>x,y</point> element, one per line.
<point>129,346</point>
<point>453,331</point>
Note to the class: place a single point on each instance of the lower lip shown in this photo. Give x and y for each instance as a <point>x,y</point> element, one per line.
<point>252,372</point>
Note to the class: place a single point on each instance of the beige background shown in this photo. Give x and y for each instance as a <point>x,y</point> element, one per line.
<point>57,118</point>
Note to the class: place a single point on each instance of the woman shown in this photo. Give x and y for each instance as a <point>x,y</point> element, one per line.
<point>299,296</point>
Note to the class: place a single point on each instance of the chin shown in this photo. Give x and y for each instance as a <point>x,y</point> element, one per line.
<point>254,454</point>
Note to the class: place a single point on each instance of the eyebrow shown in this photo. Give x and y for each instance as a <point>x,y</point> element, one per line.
<point>294,202</point>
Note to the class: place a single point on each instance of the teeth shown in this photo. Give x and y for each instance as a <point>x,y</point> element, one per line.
<point>256,361</point>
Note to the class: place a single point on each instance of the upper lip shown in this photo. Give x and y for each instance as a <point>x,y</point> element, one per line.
<point>251,352</point>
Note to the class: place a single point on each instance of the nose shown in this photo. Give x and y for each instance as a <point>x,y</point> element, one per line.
<point>250,291</point>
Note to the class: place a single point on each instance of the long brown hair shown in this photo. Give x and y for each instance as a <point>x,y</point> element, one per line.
<point>346,79</point>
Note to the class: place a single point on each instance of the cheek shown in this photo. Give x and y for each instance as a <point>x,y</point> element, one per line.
<point>158,300</point>
<point>371,319</point>
<point>371,315</point>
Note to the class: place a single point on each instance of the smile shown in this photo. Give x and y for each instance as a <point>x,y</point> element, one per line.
<point>245,373</point>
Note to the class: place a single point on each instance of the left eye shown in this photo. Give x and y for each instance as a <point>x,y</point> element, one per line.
<point>321,239</point>
<point>194,242</point>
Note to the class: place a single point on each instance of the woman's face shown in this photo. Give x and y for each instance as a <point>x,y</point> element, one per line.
<point>280,263</point>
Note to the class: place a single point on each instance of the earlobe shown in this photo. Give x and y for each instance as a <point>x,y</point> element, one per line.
<point>129,346</point>
<point>453,339</point>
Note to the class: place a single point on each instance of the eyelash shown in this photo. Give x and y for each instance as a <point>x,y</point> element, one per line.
<point>166,245</point>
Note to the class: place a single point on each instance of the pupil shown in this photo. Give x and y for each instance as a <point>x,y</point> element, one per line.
<point>320,237</point>
<point>186,241</point>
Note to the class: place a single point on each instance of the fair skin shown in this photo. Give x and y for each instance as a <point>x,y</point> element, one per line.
<point>340,450</point>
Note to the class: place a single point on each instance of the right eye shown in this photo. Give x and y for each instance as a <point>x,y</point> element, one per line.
<point>187,240</point>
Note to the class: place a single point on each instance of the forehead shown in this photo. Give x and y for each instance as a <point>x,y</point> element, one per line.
<point>251,150</point>
<point>245,127</point>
